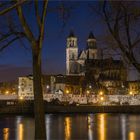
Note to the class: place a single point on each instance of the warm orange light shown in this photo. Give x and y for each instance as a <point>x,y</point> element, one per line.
<point>20,131</point>
<point>132,135</point>
<point>6,92</point>
<point>131,93</point>
<point>67,91</point>
<point>102,98</point>
<point>101,93</point>
<point>88,91</point>
<point>21,98</point>
<point>102,127</point>
<point>5,133</point>
<point>67,128</point>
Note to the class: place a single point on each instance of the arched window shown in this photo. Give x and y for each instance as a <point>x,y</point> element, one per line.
<point>72,56</point>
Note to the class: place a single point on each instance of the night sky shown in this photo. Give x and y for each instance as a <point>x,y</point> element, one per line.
<point>17,61</point>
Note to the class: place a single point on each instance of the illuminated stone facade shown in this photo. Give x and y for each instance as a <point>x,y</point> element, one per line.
<point>134,87</point>
<point>75,62</point>
<point>107,74</point>
<point>25,88</point>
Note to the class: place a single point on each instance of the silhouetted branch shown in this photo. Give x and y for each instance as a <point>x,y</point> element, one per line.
<point>26,27</point>
<point>6,10</point>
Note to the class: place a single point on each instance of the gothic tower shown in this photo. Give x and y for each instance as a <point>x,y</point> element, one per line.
<point>71,54</point>
<point>91,47</point>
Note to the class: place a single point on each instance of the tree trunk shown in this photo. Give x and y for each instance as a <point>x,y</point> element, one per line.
<point>40,127</point>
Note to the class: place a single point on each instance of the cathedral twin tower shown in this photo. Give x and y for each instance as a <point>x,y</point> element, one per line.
<point>75,62</point>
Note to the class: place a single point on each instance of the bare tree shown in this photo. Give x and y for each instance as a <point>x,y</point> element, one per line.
<point>13,34</point>
<point>122,19</point>
<point>35,41</point>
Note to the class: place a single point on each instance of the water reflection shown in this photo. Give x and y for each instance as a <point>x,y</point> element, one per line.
<point>24,128</point>
<point>90,127</point>
<point>73,127</point>
<point>123,127</point>
<point>5,133</point>
<point>20,129</point>
<point>102,127</point>
<point>132,136</point>
<point>48,121</point>
<point>67,128</point>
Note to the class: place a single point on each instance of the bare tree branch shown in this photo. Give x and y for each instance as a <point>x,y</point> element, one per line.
<point>37,14</point>
<point>41,36</point>
<point>26,28</point>
<point>9,43</point>
<point>19,2</point>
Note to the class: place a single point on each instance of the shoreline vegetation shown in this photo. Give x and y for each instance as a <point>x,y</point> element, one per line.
<point>26,107</point>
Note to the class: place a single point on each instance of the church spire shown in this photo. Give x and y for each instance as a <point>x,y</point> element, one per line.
<point>71,40</point>
<point>71,34</point>
<point>91,41</point>
<point>91,36</point>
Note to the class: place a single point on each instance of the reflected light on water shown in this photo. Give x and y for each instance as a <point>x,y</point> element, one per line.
<point>132,135</point>
<point>6,133</point>
<point>90,130</point>
<point>20,131</point>
<point>123,127</point>
<point>67,128</point>
<point>48,127</point>
<point>102,127</point>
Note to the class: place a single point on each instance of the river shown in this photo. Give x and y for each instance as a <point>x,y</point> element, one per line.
<point>73,127</point>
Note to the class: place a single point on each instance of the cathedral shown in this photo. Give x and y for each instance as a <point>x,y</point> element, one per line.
<point>75,62</point>
<point>107,73</point>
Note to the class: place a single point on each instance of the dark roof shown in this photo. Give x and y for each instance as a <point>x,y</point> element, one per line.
<point>70,80</point>
<point>136,81</point>
<point>107,63</point>
<point>91,36</point>
<point>71,34</point>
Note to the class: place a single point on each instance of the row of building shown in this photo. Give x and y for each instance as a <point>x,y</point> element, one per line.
<point>87,72</point>
<point>66,84</point>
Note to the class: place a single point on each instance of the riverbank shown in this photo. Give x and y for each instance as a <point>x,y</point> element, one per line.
<point>27,108</point>
<point>92,109</point>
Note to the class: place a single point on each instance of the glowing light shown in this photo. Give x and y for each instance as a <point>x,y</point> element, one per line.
<point>67,128</point>
<point>131,93</point>
<point>48,86</point>
<point>21,98</point>
<point>6,133</point>
<point>102,98</point>
<point>90,86</point>
<point>132,136</point>
<point>88,91</point>
<point>67,91</point>
<point>101,93</point>
<point>6,92</point>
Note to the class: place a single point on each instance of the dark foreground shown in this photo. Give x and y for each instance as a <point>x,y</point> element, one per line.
<point>27,108</point>
<point>74,126</point>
